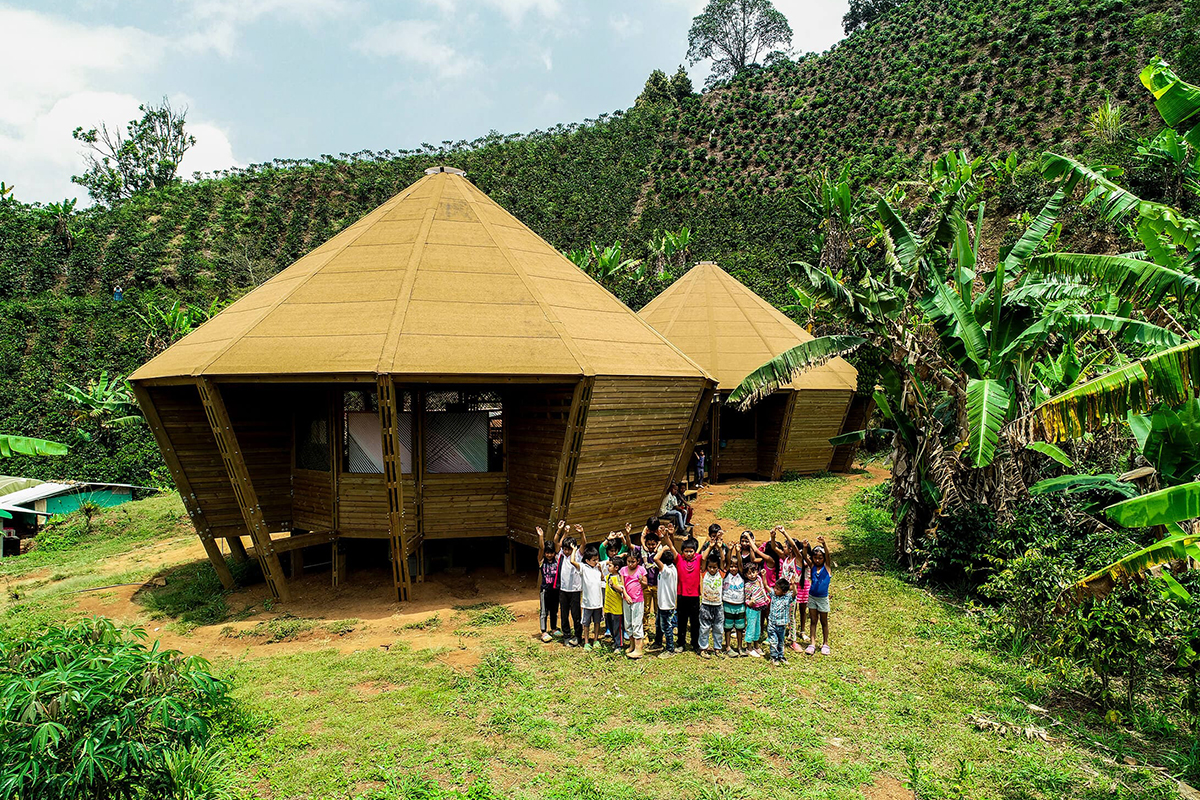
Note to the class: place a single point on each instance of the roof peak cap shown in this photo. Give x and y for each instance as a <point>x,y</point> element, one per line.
<point>443,168</point>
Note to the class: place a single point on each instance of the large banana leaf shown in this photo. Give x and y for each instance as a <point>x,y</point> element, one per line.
<point>967,328</point>
<point>1177,101</point>
<point>25,446</point>
<point>1037,230</point>
<point>1128,330</point>
<point>1175,504</point>
<point>1076,484</point>
<point>782,369</point>
<point>866,308</point>
<point>987,410</point>
<point>903,247</point>
<point>1170,376</point>
<point>1130,279</point>
<point>1051,451</point>
<point>1172,548</point>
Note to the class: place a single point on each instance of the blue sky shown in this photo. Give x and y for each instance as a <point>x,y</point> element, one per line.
<point>297,78</point>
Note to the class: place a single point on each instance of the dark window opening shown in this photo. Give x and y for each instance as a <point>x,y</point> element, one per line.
<point>312,439</point>
<point>736,424</point>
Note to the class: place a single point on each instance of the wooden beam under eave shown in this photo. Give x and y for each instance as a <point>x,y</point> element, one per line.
<point>785,433</point>
<point>703,402</point>
<point>243,487</point>
<point>190,503</point>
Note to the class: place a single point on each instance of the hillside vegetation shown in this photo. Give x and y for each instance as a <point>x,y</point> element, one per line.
<point>994,78</point>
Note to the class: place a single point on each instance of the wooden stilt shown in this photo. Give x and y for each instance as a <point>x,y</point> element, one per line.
<point>199,521</point>
<point>237,549</point>
<point>297,563</point>
<point>510,558</point>
<point>393,477</point>
<point>243,488</point>
<point>338,563</point>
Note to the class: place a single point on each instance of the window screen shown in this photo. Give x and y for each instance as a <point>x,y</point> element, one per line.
<point>464,432</point>
<point>362,442</point>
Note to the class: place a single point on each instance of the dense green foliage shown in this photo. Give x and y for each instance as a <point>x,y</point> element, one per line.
<point>89,711</point>
<point>729,163</point>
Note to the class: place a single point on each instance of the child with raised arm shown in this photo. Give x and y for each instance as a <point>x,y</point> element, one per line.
<point>758,602</point>
<point>614,604</point>
<point>818,597</point>
<point>793,568</point>
<point>733,604</point>
<point>778,616</point>
<point>548,588</point>
<point>667,591</point>
<point>651,539</point>
<point>591,597</point>
<point>690,566</point>
<point>634,593</point>
<point>570,590</point>
<point>711,618</point>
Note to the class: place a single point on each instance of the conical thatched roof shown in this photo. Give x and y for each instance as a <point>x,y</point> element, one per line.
<point>439,280</point>
<point>731,331</point>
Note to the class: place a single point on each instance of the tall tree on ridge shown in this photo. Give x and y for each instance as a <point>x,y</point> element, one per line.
<point>736,34</point>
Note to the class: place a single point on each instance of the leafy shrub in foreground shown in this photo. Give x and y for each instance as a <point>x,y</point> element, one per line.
<point>90,711</point>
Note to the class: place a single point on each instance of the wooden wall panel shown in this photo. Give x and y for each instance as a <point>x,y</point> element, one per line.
<point>463,505</point>
<point>739,457</point>
<point>183,418</point>
<point>635,429</point>
<point>771,413</point>
<point>818,415</point>
<point>262,421</point>
<point>536,422</point>
<point>312,500</point>
<point>857,417</point>
<point>363,504</point>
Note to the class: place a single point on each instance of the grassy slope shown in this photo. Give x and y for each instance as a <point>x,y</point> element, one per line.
<point>541,721</point>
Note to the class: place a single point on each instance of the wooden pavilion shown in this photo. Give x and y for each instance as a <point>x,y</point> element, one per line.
<point>731,331</point>
<point>435,371</point>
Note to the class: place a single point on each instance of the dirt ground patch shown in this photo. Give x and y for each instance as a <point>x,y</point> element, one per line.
<point>885,787</point>
<point>436,618</point>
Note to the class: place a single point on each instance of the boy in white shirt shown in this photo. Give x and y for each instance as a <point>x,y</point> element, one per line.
<point>668,591</point>
<point>592,598</point>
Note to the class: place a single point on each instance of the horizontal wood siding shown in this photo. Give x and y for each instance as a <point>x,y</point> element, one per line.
<point>739,457</point>
<point>817,416</point>
<point>363,504</point>
<point>262,421</point>
<point>312,500</point>
<point>187,427</point>
<point>465,504</point>
<point>635,429</point>
<point>536,418</point>
<point>771,412</point>
<point>857,417</point>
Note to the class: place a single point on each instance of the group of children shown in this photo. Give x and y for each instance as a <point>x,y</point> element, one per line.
<point>730,598</point>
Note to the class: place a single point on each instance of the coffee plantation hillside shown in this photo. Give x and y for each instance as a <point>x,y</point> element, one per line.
<point>996,79</point>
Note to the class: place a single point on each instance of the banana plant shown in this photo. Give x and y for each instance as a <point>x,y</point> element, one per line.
<point>11,445</point>
<point>106,402</point>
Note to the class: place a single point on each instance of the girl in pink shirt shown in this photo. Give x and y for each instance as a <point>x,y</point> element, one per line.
<point>635,579</point>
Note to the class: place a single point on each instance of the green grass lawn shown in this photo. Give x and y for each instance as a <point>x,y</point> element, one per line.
<point>898,701</point>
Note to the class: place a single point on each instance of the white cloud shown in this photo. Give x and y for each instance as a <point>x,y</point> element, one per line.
<point>625,26</point>
<point>56,75</point>
<point>219,22</point>
<point>548,60</point>
<point>515,10</point>
<point>419,42</point>
<point>44,58</point>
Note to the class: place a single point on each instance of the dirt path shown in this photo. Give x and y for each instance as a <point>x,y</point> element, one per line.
<point>370,618</point>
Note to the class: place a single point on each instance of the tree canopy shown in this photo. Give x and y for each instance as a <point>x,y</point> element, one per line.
<point>146,156</point>
<point>863,12</point>
<point>736,34</point>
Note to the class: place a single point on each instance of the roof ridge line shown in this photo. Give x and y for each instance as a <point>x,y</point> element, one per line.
<point>271,308</point>
<point>585,366</point>
<point>721,276</point>
<point>686,294</point>
<point>391,342</point>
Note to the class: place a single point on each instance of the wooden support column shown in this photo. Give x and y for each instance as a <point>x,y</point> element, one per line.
<point>714,432</point>
<point>703,401</point>
<point>785,433</point>
<point>190,503</point>
<point>238,549</point>
<point>568,463</point>
<point>397,524</point>
<point>418,468</point>
<point>338,562</point>
<point>243,488</point>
